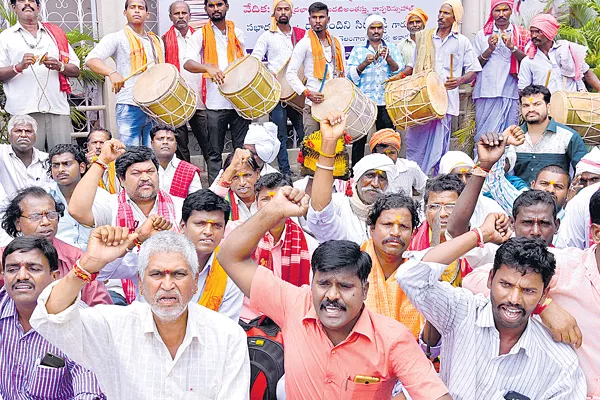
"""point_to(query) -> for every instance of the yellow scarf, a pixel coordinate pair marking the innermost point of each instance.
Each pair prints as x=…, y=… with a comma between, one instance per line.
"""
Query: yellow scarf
x=318, y=55
x=209, y=46
x=387, y=298
x=453, y=273
x=112, y=175
x=137, y=55
x=214, y=289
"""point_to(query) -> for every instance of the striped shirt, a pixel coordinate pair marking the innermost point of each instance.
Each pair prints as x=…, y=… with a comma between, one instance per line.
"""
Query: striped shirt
x=22, y=377
x=472, y=368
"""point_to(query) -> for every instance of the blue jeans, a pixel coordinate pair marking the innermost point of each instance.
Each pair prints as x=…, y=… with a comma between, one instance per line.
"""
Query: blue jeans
x=133, y=125
x=279, y=117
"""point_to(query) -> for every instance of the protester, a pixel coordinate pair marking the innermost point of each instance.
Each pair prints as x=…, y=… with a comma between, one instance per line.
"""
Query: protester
x=95, y=140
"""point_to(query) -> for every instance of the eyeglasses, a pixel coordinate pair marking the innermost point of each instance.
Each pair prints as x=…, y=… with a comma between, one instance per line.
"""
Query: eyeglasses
x=37, y=217
x=438, y=207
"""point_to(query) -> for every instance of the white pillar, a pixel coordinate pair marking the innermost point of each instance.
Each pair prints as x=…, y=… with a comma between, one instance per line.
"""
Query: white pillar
x=476, y=13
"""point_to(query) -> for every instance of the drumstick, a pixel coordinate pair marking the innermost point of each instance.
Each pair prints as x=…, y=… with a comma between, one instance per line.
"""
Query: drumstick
x=451, y=65
x=137, y=71
x=548, y=77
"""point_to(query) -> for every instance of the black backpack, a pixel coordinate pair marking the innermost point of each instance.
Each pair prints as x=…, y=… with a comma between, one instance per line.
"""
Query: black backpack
x=265, y=346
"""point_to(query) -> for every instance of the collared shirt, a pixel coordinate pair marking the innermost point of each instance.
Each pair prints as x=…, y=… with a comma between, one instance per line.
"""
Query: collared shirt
x=378, y=346
x=302, y=55
x=558, y=145
x=126, y=267
x=370, y=81
x=574, y=229
x=472, y=367
x=535, y=71
x=14, y=175
x=277, y=46
x=105, y=212
x=165, y=177
x=69, y=230
x=464, y=58
x=116, y=46
x=23, y=378
x=125, y=350
x=495, y=79
x=41, y=85
x=214, y=99
x=409, y=176
x=337, y=221
x=192, y=79
x=407, y=48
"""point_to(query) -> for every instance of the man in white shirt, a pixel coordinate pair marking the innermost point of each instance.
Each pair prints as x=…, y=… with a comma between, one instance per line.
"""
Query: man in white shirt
x=557, y=64
x=499, y=47
x=67, y=165
x=176, y=177
x=277, y=45
x=21, y=164
x=491, y=347
x=209, y=51
x=176, y=40
x=164, y=347
x=133, y=124
x=34, y=84
x=323, y=58
x=426, y=144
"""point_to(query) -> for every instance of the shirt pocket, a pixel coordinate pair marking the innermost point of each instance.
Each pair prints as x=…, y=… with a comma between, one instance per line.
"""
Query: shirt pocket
x=48, y=383
x=363, y=391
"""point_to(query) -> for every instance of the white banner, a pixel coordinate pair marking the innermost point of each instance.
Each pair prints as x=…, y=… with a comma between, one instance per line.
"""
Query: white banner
x=347, y=17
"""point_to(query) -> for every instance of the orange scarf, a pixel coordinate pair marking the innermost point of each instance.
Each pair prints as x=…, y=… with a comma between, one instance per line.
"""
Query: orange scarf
x=214, y=288
x=387, y=298
x=209, y=45
x=318, y=55
x=137, y=54
x=112, y=174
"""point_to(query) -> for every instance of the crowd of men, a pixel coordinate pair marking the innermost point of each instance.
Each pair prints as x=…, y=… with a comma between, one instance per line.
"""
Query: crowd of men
x=421, y=273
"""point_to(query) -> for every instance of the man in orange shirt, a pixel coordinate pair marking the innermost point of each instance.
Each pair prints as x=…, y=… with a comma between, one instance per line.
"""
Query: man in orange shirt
x=334, y=346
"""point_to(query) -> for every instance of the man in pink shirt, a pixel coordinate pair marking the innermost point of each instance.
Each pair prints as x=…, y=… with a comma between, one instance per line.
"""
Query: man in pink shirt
x=334, y=346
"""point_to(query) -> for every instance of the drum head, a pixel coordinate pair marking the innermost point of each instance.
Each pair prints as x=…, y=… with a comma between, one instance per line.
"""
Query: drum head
x=338, y=93
x=239, y=74
x=286, y=89
x=559, y=106
x=438, y=96
x=154, y=82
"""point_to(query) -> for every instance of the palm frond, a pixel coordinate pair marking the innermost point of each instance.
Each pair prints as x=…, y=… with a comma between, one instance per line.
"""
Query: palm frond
x=8, y=15
x=571, y=34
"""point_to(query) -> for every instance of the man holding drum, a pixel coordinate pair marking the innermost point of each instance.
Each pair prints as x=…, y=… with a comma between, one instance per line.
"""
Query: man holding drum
x=500, y=48
x=133, y=49
x=277, y=44
x=210, y=50
x=322, y=56
x=426, y=144
x=368, y=67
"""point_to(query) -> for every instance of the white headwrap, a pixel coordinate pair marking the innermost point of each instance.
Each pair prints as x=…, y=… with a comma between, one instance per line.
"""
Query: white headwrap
x=589, y=163
x=375, y=161
x=264, y=138
x=373, y=18
x=455, y=159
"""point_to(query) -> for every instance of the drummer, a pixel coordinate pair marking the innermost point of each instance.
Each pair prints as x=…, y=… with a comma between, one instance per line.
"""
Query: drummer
x=559, y=65
x=131, y=48
x=368, y=67
x=277, y=45
x=210, y=50
x=426, y=144
x=322, y=60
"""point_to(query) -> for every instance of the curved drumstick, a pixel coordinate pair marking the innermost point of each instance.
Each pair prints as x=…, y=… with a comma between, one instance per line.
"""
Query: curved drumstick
x=137, y=71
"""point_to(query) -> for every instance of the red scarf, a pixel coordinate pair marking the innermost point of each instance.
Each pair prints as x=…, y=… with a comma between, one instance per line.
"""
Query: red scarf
x=125, y=217
x=235, y=212
x=172, y=47
x=182, y=179
x=295, y=257
x=61, y=41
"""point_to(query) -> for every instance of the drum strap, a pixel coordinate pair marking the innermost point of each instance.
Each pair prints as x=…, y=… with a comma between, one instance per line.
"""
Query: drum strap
x=425, y=51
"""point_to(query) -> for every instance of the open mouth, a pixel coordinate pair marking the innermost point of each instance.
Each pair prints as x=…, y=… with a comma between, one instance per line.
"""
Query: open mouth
x=511, y=313
x=167, y=300
x=23, y=286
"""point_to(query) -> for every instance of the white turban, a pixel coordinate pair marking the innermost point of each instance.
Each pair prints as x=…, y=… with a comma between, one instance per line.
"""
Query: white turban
x=373, y=18
x=264, y=138
x=589, y=163
x=455, y=159
x=375, y=161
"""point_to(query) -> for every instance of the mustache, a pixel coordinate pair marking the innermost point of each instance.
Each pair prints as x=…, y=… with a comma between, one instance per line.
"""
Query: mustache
x=371, y=189
x=28, y=282
x=161, y=292
x=329, y=303
x=146, y=183
x=518, y=306
x=394, y=239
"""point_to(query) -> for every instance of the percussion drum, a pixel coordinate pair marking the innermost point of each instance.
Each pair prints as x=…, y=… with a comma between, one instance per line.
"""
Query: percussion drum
x=288, y=96
x=416, y=100
x=579, y=111
x=164, y=95
x=250, y=87
x=342, y=95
